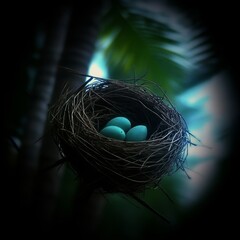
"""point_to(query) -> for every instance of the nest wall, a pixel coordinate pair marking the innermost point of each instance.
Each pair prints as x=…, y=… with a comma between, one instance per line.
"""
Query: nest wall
x=113, y=165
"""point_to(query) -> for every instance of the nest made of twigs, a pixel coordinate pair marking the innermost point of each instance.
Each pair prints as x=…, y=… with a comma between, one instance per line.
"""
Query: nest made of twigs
x=110, y=164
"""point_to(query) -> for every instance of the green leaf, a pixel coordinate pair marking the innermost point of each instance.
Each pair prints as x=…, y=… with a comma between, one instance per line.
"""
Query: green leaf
x=139, y=44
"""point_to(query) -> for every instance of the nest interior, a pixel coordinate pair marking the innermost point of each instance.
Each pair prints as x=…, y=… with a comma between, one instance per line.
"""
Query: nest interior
x=110, y=164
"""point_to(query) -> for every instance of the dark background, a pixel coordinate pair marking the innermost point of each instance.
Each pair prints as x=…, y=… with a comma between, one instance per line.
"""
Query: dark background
x=221, y=18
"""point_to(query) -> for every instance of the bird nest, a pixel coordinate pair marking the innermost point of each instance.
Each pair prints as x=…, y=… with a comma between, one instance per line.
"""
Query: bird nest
x=110, y=164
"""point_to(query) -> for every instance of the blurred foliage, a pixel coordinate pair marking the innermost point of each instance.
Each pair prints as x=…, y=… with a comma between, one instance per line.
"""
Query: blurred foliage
x=139, y=45
x=136, y=44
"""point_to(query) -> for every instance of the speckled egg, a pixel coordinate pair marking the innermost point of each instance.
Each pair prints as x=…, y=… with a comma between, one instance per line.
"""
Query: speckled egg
x=113, y=132
x=137, y=133
x=121, y=122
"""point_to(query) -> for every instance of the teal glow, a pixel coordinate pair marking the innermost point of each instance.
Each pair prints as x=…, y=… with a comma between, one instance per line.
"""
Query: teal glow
x=98, y=67
x=209, y=115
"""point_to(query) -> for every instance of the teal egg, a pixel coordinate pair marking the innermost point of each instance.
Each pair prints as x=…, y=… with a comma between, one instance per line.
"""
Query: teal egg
x=137, y=133
x=121, y=122
x=113, y=132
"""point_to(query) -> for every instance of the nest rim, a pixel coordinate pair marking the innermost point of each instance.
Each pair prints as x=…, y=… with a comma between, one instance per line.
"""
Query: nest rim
x=135, y=165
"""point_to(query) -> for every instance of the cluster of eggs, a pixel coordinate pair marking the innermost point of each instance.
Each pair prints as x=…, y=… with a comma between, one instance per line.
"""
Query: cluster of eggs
x=120, y=128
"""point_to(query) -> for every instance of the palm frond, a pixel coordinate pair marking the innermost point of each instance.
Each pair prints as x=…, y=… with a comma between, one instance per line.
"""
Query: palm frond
x=140, y=43
x=203, y=60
